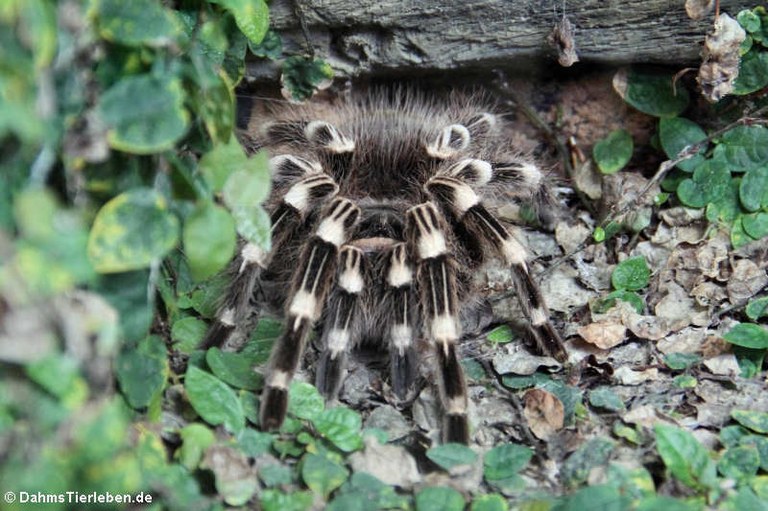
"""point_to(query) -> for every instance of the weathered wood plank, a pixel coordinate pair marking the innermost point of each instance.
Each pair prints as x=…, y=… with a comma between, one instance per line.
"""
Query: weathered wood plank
x=384, y=36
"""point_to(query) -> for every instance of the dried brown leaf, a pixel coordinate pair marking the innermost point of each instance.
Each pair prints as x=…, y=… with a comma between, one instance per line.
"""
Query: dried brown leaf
x=604, y=334
x=720, y=66
x=544, y=412
x=563, y=41
x=627, y=376
x=698, y=9
x=746, y=280
x=391, y=464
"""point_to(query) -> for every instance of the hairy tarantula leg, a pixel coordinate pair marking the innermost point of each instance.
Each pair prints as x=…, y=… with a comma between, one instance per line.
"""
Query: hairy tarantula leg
x=399, y=299
x=337, y=334
x=437, y=281
x=249, y=263
x=304, y=305
x=520, y=177
x=463, y=202
x=448, y=142
x=338, y=148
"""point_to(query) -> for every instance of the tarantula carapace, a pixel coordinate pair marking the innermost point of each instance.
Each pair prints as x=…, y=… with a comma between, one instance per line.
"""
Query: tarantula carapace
x=378, y=224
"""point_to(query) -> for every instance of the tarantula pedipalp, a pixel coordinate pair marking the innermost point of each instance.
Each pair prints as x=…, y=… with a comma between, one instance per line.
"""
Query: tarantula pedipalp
x=378, y=224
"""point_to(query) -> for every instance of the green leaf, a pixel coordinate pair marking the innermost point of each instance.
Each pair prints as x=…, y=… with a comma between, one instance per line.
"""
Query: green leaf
x=271, y=46
x=450, y=455
x=304, y=401
x=604, y=304
x=501, y=335
x=685, y=381
x=739, y=238
x=249, y=186
x=363, y=492
x=322, y=475
x=677, y=133
x=594, y=453
x=145, y=113
x=744, y=147
x=603, y=497
x=749, y=20
x=221, y=162
x=748, y=335
x=755, y=224
x=341, y=426
x=138, y=22
x=254, y=225
x=217, y=108
x=651, y=93
x=727, y=207
x=681, y=361
x=685, y=457
x=604, y=397
x=275, y=475
x=740, y=462
x=251, y=16
x=439, y=498
x=502, y=464
x=711, y=180
x=213, y=400
x=753, y=190
x=754, y=420
x=301, y=76
x=195, y=439
x=131, y=231
x=757, y=309
x=142, y=371
x=275, y=500
x=187, y=333
x=254, y=443
x=60, y=376
x=209, y=240
x=758, y=442
x=744, y=500
x=127, y=293
x=658, y=502
x=753, y=73
x=233, y=368
x=631, y=274
x=614, y=151
x=489, y=502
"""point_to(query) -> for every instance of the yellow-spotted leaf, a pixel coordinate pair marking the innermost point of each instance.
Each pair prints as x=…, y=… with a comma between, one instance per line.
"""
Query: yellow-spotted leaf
x=251, y=16
x=144, y=113
x=138, y=22
x=131, y=231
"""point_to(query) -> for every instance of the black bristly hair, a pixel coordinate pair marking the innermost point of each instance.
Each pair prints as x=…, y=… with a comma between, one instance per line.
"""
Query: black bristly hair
x=378, y=223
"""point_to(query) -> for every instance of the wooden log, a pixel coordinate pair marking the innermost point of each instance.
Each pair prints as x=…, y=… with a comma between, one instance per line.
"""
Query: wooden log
x=377, y=37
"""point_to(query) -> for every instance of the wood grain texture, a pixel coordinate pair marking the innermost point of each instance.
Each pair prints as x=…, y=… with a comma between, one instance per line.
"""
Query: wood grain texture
x=376, y=37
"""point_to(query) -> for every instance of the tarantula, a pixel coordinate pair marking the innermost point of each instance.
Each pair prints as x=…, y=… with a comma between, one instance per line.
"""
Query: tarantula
x=378, y=225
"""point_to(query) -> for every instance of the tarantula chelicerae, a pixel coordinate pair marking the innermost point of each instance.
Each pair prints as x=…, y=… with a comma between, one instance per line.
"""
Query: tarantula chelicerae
x=378, y=225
